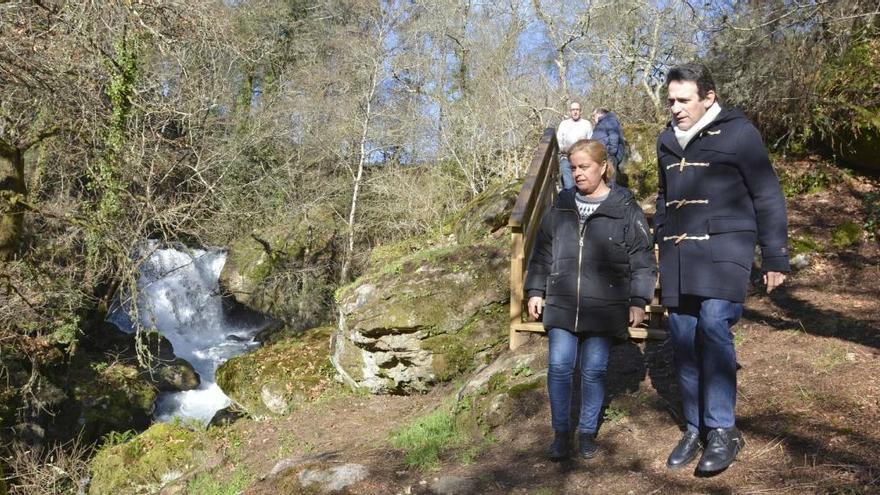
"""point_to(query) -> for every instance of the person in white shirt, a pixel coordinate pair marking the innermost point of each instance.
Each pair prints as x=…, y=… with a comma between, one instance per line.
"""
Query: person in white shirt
x=570, y=131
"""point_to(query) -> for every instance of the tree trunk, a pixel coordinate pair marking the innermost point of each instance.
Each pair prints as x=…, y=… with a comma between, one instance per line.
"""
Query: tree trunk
x=357, y=179
x=12, y=188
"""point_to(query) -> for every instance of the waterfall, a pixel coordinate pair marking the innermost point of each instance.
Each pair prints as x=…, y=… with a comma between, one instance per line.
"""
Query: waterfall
x=179, y=296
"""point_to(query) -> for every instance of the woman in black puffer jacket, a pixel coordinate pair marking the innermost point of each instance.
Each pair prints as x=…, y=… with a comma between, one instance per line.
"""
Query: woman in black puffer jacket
x=591, y=273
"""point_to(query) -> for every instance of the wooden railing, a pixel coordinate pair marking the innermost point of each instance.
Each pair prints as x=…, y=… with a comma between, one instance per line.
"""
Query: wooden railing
x=534, y=199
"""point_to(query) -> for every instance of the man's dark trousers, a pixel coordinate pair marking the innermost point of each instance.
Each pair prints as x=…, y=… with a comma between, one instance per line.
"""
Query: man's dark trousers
x=705, y=360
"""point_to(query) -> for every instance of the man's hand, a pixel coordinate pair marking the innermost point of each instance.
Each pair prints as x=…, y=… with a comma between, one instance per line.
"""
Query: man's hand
x=636, y=315
x=536, y=307
x=773, y=280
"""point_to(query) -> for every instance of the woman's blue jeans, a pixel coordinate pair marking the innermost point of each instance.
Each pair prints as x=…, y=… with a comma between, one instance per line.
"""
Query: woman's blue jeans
x=594, y=350
x=705, y=360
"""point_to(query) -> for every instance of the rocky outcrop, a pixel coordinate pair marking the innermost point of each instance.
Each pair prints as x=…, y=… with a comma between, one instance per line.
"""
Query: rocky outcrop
x=281, y=375
x=426, y=316
x=286, y=270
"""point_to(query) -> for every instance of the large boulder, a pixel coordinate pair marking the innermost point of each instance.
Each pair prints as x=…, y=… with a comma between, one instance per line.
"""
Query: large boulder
x=281, y=375
x=423, y=320
x=146, y=463
x=430, y=308
x=286, y=270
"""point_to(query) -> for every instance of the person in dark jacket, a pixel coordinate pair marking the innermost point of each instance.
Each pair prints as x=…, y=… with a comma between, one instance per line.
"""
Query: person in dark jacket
x=591, y=273
x=607, y=130
x=718, y=196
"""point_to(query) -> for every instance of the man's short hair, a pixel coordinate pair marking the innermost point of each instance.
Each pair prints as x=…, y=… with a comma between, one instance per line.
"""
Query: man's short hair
x=601, y=110
x=694, y=72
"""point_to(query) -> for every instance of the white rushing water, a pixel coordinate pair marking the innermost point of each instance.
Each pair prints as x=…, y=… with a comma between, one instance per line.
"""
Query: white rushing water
x=179, y=297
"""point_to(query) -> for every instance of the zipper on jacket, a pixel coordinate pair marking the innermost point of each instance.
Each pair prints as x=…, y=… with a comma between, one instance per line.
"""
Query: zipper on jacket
x=577, y=306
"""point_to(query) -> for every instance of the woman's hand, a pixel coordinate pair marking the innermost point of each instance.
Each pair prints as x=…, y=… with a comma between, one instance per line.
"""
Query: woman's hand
x=536, y=307
x=636, y=315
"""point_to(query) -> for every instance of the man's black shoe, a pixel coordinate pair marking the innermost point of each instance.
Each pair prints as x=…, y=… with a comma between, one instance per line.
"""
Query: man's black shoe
x=587, y=446
x=560, y=447
x=722, y=446
x=685, y=452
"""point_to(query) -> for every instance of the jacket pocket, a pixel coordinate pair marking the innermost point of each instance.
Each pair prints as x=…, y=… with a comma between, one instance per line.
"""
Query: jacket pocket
x=560, y=284
x=733, y=240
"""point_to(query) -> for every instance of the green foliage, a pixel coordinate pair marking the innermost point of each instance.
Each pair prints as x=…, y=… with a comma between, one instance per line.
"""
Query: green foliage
x=847, y=234
x=811, y=181
x=115, y=438
x=614, y=413
x=849, y=95
x=124, y=71
x=210, y=483
x=426, y=438
x=66, y=333
x=523, y=370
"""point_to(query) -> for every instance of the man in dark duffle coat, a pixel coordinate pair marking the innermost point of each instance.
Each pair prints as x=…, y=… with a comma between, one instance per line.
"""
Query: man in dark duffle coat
x=718, y=197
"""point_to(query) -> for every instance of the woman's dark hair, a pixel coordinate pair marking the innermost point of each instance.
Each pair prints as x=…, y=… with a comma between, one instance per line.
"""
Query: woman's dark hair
x=694, y=72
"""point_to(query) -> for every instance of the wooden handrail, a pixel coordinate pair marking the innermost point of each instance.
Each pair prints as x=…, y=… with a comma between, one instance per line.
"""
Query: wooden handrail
x=547, y=151
x=534, y=199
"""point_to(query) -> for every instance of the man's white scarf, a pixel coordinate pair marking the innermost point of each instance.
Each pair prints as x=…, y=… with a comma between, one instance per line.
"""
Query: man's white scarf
x=684, y=137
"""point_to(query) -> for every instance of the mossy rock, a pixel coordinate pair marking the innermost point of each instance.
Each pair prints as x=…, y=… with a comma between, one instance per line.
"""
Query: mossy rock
x=507, y=388
x=149, y=461
x=282, y=270
x=487, y=213
x=173, y=376
x=115, y=398
x=424, y=319
x=277, y=378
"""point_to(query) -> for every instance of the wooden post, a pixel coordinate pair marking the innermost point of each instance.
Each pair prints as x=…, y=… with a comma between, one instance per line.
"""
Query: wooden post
x=517, y=258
